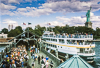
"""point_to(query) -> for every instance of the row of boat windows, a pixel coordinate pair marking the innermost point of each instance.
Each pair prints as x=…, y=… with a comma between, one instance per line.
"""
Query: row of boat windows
x=51, y=39
x=78, y=42
x=61, y=40
x=55, y=46
x=55, y=40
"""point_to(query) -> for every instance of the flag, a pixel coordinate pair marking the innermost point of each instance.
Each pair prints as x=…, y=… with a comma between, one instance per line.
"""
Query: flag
x=29, y=23
x=48, y=24
x=24, y=23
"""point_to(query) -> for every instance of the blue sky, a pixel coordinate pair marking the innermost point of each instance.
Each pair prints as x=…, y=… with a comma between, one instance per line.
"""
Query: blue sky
x=56, y=12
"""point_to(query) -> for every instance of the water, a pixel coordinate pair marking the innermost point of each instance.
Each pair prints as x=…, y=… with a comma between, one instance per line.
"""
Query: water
x=97, y=52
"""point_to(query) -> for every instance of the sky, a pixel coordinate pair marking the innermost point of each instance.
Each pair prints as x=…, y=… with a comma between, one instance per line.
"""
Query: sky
x=55, y=12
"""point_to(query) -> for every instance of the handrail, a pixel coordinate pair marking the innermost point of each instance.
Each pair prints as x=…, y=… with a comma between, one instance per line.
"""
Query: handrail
x=69, y=36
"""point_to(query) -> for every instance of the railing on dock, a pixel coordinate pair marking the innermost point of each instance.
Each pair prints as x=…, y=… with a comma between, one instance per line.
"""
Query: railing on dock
x=54, y=58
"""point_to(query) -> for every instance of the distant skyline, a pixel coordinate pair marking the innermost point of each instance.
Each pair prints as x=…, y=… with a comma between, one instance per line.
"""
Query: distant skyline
x=55, y=12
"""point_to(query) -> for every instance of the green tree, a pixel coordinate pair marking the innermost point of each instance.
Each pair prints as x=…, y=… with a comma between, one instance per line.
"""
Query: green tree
x=14, y=32
x=39, y=30
x=19, y=28
x=5, y=31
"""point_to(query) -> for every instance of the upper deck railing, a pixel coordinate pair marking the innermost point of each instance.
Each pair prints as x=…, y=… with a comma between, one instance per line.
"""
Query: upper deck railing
x=69, y=36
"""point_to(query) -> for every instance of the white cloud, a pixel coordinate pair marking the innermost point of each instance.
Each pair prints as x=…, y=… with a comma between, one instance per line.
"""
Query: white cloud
x=16, y=1
x=8, y=21
x=71, y=6
x=32, y=11
x=52, y=6
x=52, y=24
x=73, y=21
x=79, y=21
x=6, y=7
x=13, y=1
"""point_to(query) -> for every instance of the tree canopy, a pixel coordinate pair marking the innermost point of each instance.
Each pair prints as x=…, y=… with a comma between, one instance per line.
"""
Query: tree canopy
x=38, y=30
x=5, y=31
x=14, y=32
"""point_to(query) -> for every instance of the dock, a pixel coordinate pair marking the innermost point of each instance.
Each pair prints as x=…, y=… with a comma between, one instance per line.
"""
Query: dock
x=29, y=40
x=36, y=62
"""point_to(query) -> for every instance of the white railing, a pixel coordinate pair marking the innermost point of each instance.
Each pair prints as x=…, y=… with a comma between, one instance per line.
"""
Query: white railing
x=69, y=36
x=86, y=54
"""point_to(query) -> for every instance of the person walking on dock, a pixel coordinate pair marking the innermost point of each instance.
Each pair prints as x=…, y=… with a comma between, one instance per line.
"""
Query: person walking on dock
x=39, y=60
x=47, y=64
x=51, y=64
x=42, y=64
x=47, y=58
x=33, y=64
x=33, y=55
x=38, y=50
x=36, y=56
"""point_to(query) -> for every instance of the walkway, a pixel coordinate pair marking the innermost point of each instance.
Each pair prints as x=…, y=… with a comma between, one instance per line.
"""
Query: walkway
x=36, y=62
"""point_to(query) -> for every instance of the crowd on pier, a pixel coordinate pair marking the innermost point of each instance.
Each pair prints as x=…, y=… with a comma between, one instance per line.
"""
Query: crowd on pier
x=42, y=61
x=17, y=57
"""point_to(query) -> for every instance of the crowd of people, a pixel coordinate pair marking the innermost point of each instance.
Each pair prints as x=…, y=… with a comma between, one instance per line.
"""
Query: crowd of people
x=17, y=57
x=42, y=61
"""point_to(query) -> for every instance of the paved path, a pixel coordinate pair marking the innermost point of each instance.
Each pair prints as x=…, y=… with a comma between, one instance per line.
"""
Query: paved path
x=36, y=62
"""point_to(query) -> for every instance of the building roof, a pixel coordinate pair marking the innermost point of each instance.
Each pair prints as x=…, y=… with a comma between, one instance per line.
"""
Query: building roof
x=5, y=39
x=75, y=62
x=24, y=35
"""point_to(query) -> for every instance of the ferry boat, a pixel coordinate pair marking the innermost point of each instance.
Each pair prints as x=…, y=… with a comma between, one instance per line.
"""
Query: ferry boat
x=71, y=44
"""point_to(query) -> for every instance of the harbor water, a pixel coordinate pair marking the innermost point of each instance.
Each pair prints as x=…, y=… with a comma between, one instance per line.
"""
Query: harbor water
x=97, y=56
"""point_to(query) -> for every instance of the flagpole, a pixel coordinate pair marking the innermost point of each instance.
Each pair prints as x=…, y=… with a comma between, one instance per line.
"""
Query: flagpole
x=46, y=28
x=23, y=26
x=28, y=30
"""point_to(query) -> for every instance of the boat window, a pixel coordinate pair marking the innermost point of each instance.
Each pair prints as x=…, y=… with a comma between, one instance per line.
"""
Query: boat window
x=87, y=48
x=50, y=44
x=55, y=40
x=58, y=46
x=68, y=41
x=81, y=50
x=55, y=46
x=61, y=41
x=61, y=46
